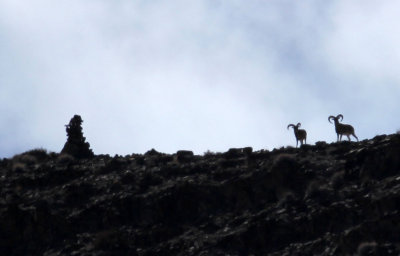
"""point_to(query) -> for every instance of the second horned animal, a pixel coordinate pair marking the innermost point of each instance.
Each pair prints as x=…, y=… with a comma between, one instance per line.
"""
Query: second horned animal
x=300, y=134
x=342, y=129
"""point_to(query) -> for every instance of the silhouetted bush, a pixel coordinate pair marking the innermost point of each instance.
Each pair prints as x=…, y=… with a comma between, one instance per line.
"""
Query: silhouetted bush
x=19, y=167
x=233, y=153
x=39, y=153
x=76, y=145
x=287, y=173
x=115, y=164
x=140, y=160
x=321, y=144
x=184, y=156
x=65, y=159
x=31, y=157
x=25, y=159
x=284, y=166
x=247, y=150
x=152, y=152
x=319, y=192
x=209, y=154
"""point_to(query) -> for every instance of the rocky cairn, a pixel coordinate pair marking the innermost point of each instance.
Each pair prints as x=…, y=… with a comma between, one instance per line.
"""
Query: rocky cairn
x=76, y=144
x=324, y=199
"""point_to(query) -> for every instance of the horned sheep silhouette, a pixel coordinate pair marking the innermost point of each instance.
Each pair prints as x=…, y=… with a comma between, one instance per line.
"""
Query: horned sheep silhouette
x=300, y=134
x=342, y=129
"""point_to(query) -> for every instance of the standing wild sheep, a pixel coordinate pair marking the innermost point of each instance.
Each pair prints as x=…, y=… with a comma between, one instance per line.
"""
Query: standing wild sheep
x=300, y=134
x=342, y=129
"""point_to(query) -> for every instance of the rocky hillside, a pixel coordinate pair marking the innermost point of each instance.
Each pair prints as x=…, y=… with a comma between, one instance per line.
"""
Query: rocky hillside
x=325, y=199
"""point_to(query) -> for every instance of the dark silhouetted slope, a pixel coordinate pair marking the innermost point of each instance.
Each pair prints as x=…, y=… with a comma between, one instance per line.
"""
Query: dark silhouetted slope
x=325, y=199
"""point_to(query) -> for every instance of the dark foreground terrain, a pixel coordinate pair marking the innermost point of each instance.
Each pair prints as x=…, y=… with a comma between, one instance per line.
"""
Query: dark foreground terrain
x=328, y=199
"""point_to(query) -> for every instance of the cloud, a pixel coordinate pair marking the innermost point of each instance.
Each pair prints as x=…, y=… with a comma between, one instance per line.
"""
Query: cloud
x=364, y=39
x=200, y=75
x=361, y=49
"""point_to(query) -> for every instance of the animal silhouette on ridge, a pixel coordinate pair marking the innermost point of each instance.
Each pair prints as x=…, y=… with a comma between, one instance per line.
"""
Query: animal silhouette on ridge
x=342, y=129
x=300, y=134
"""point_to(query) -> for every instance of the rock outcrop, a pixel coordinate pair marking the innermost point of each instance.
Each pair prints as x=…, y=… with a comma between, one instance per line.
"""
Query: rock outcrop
x=324, y=199
x=76, y=144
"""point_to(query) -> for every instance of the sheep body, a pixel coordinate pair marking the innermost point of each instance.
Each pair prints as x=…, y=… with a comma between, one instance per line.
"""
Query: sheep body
x=342, y=129
x=300, y=134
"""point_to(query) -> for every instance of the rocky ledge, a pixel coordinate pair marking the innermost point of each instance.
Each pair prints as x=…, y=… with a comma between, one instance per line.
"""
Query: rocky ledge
x=325, y=199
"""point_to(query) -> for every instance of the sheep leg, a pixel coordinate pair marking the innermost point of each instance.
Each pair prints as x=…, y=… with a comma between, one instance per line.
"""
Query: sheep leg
x=354, y=136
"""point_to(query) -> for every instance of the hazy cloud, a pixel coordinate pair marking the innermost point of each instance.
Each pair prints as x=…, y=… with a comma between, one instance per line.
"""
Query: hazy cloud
x=200, y=75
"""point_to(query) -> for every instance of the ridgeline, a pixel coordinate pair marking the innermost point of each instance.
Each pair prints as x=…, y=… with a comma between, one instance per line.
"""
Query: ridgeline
x=325, y=199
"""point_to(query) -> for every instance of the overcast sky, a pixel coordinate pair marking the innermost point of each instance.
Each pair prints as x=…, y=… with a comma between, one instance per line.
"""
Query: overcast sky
x=197, y=75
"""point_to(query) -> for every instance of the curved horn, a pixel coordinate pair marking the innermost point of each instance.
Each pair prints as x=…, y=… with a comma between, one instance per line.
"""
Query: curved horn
x=290, y=125
x=330, y=117
x=340, y=116
x=298, y=125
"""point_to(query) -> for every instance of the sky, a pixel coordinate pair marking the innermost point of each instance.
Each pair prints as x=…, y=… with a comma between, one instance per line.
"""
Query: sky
x=201, y=75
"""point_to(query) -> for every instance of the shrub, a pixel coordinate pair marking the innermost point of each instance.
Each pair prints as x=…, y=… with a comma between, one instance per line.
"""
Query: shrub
x=25, y=159
x=286, y=173
x=318, y=192
x=184, y=156
x=39, y=153
x=19, y=167
x=65, y=159
x=152, y=152
x=284, y=164
x=209, y=152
